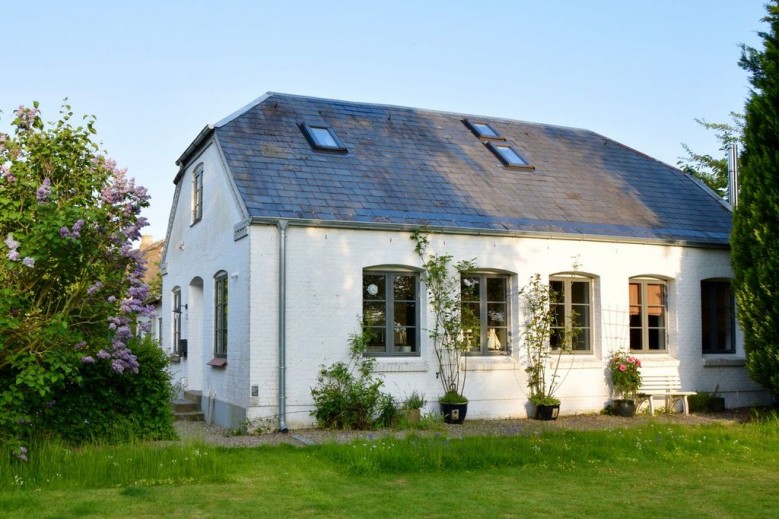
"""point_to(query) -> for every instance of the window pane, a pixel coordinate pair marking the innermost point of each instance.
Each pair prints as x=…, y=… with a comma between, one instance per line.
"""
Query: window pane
x=404, y=288
x=635, y=295
x=373, y=287
x=581, y=316
x=557, y=291
x=405, y=314
x=657, y=320
x=484, y=130
x=322, y=137
x=496, y=289
x=470, y=288
x=378, y=342
x=656, y=339
x=635, y=339
x=497, y=339
x=471, y=320
x=374, y=313
x=510, y=156
x=580, y=292
x=496, y=314
x=654, y=295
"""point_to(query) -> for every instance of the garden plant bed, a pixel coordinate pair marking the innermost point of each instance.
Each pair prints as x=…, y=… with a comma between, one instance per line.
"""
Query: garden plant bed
x=215, y=435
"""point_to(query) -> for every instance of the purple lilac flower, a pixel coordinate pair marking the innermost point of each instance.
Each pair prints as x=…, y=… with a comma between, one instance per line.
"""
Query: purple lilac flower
x=111, y=299
x=64, y=232
x=10, y=242
x=43, y=192
x=27, y=115
x=13, y=255
x=80, y=346
x=94, y=288
x=102, y=354
x=77, y=228
x=87, y=360
x=28, y=262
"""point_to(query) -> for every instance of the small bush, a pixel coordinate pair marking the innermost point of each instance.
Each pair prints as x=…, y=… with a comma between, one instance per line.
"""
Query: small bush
x=348, y=396
x=105, y=406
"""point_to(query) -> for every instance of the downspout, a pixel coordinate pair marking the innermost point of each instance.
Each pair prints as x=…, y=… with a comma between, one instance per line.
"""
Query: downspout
x=733, y=174
x=282, y=226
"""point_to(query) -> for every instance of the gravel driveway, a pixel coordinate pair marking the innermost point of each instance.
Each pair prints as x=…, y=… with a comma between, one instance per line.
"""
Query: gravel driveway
x=214, y=435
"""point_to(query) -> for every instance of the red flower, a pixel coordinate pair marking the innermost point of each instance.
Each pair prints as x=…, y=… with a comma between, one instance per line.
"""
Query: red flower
x=622, y=367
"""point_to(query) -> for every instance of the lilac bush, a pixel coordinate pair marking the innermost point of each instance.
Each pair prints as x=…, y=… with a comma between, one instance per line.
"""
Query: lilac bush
x=71, y=288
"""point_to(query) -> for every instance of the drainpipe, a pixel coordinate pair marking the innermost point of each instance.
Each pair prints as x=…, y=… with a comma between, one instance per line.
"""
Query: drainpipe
x=282, y=226
x=733, y=174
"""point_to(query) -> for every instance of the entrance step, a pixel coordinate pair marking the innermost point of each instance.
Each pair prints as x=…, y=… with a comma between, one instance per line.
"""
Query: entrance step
x=188, y=407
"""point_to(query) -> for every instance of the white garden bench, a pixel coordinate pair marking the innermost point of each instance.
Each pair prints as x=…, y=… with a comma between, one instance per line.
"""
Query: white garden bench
x=666, y=386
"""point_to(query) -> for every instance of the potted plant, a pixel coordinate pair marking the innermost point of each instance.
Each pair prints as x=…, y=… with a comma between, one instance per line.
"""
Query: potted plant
x=626, y=380
x=450, y=344
x=544, y=378
x=411, y=406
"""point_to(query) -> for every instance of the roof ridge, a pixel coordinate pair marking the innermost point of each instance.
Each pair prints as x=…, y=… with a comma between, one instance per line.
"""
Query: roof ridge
x=270, y=94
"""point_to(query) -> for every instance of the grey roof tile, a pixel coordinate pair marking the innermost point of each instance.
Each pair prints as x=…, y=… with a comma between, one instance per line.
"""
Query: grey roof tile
x=406, y=165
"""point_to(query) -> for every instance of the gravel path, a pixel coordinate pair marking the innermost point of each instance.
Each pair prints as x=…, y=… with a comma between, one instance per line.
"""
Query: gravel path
x=214, y=435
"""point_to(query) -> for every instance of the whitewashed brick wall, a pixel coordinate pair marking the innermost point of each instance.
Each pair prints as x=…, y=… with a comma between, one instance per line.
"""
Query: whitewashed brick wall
x=324, y=302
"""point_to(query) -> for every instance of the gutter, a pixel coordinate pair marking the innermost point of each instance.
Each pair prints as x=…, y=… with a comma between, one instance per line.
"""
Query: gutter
x=282, y=227
x=378, y=226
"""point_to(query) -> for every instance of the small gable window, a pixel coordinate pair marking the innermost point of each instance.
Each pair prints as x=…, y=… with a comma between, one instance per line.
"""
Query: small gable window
x=508, y=156
x=323, y=138
x=482, y=130
x=197, y=194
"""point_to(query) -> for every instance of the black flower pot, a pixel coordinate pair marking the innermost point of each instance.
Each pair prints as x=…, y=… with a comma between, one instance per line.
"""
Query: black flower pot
x=623, y=407
x=547, y=412
x=454, y=413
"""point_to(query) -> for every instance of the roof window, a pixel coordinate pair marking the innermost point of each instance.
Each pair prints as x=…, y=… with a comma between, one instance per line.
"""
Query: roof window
x=482, y=130
x=508, y=156
x=321, y=137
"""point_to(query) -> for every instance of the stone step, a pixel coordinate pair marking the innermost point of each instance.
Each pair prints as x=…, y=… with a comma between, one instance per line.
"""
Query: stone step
x=189, y=416
x=181, y=405
x=188, y=407
x=194, y=396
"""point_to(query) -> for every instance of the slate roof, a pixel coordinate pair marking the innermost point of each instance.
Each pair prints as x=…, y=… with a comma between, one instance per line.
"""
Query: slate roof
x=408, y=166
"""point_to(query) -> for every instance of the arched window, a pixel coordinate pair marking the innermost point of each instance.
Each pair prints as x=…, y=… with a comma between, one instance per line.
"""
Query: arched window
x=485, y=312
x=197, y=194
x=390, y=309
x=648, y=311
x=176, y=321
x=571, y=298
x=220, y=314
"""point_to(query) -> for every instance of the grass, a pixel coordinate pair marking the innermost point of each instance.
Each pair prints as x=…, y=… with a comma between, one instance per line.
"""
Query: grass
x=654, y=470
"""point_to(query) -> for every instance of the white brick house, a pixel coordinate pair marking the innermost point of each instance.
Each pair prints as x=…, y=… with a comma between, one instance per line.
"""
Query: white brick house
x=292, y=218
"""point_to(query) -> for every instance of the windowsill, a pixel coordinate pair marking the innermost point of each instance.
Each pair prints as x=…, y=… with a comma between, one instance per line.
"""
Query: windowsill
x=400, y=365
x=217, y=362
x=174, y=358
x=491, y=363
x=724, y=363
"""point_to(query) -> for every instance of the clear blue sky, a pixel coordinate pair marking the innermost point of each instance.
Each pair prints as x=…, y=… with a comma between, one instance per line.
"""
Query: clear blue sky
x=155, y=72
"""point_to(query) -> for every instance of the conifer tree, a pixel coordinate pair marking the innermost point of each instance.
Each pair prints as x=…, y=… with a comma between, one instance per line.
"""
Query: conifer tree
x=755, y=237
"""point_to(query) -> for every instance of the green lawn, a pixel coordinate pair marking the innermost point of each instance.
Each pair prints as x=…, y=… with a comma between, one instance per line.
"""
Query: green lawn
x=651, y=471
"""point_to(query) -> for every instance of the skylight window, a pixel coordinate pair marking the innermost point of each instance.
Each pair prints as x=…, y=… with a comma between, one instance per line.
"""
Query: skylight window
x=322, y=138
x=508, y=156
x=482, y=130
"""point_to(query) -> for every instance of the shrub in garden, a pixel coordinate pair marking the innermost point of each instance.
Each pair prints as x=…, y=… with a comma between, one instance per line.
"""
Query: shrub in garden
x=348, y=396
x=101, y=404
x=71, y=285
